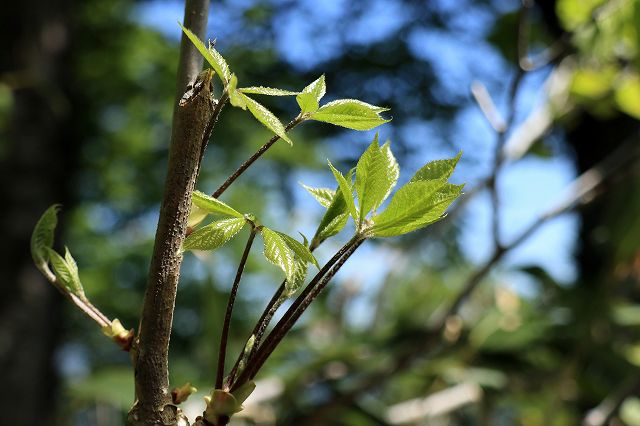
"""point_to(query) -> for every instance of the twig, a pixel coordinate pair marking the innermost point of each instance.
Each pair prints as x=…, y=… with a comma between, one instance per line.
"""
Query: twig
x=244, y=166
x=311, y=291
x=227, y=316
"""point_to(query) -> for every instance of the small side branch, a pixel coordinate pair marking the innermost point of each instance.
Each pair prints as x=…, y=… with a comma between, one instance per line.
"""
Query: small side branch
x=227, y=317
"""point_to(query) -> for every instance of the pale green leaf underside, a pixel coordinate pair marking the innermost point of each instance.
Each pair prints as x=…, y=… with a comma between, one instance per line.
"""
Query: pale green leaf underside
x=278, y=252
x=350, y=113
x=415, y=205
x=66, y=271
x=42, y=237
x=213, y=205
x=211, y=55
x=347, y=192
x=266, y=117
x=376, y=174
x=213, y=235
x=196, y=215
x=300, y=250
x=269, y=91
x=299, y=274
x=439, y=169
x=322, y=195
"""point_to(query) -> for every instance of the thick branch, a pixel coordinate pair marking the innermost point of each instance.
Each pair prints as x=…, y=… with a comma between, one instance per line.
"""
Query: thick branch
x=190, y=123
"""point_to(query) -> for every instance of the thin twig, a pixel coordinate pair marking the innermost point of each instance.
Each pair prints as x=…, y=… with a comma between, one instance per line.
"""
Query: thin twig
x=227, y=317
x=244, y=166
x=313, y=289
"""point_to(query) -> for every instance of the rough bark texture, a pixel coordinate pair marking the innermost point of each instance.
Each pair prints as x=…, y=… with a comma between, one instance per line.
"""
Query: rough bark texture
x=153, y=405
x=37, y=149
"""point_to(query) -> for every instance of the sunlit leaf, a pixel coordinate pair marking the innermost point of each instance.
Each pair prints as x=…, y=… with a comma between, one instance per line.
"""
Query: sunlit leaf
x=213, y=235
x=291, y=286
x=376, y=174
x=347, y=192
x=213, y=205
x=322, y=195
x=439, y=169
x=350, y=113
x=278, y=252
x=269, y=91
x=42, y=237
x=414, y=206
x=298, y=248
x=212, y=56
x=266, y=117
x=310, y=96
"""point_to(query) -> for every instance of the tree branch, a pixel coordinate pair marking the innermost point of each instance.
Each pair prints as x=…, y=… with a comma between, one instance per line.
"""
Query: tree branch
x=190, y=122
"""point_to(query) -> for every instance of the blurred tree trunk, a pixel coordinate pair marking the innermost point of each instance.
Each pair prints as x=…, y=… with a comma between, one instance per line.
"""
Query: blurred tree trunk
x=36, y=161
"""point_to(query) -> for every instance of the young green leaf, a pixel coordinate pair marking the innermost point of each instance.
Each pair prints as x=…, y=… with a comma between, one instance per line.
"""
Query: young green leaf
x=66, y=271
x=266, y=117
x=213, y=205
x=347, y=192
x=376, y=174
x=350, y=113
x=334, y=219
x=234, y=96
x=278, y=252
x=439, y=169
x=301, y=251
x=213, y=235
x=310, y=96
x=299, y=275
x=212, y=56
x=196, y=215
x=269, y=91
x=42, y=238
x=322, y=195
x=414, y=206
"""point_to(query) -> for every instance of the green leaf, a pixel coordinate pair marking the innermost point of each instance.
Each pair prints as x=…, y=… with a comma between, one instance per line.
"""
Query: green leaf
x=347, y=192
x=322, y=195
x=376, y=174
x=334, y=219
x=196, y=215
x=66, y=274
x=212, y=56
x=299, y=249
x=350, y=113
x=414, y=206
x=75, y=274
x=299, y=275
x=213, y=205
x=278, y=252
x=439, y=169
x=309, y=98
x=42, y=238
x=235, y=97
x=266, y=117
x=269, y=91
x=213, y=235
